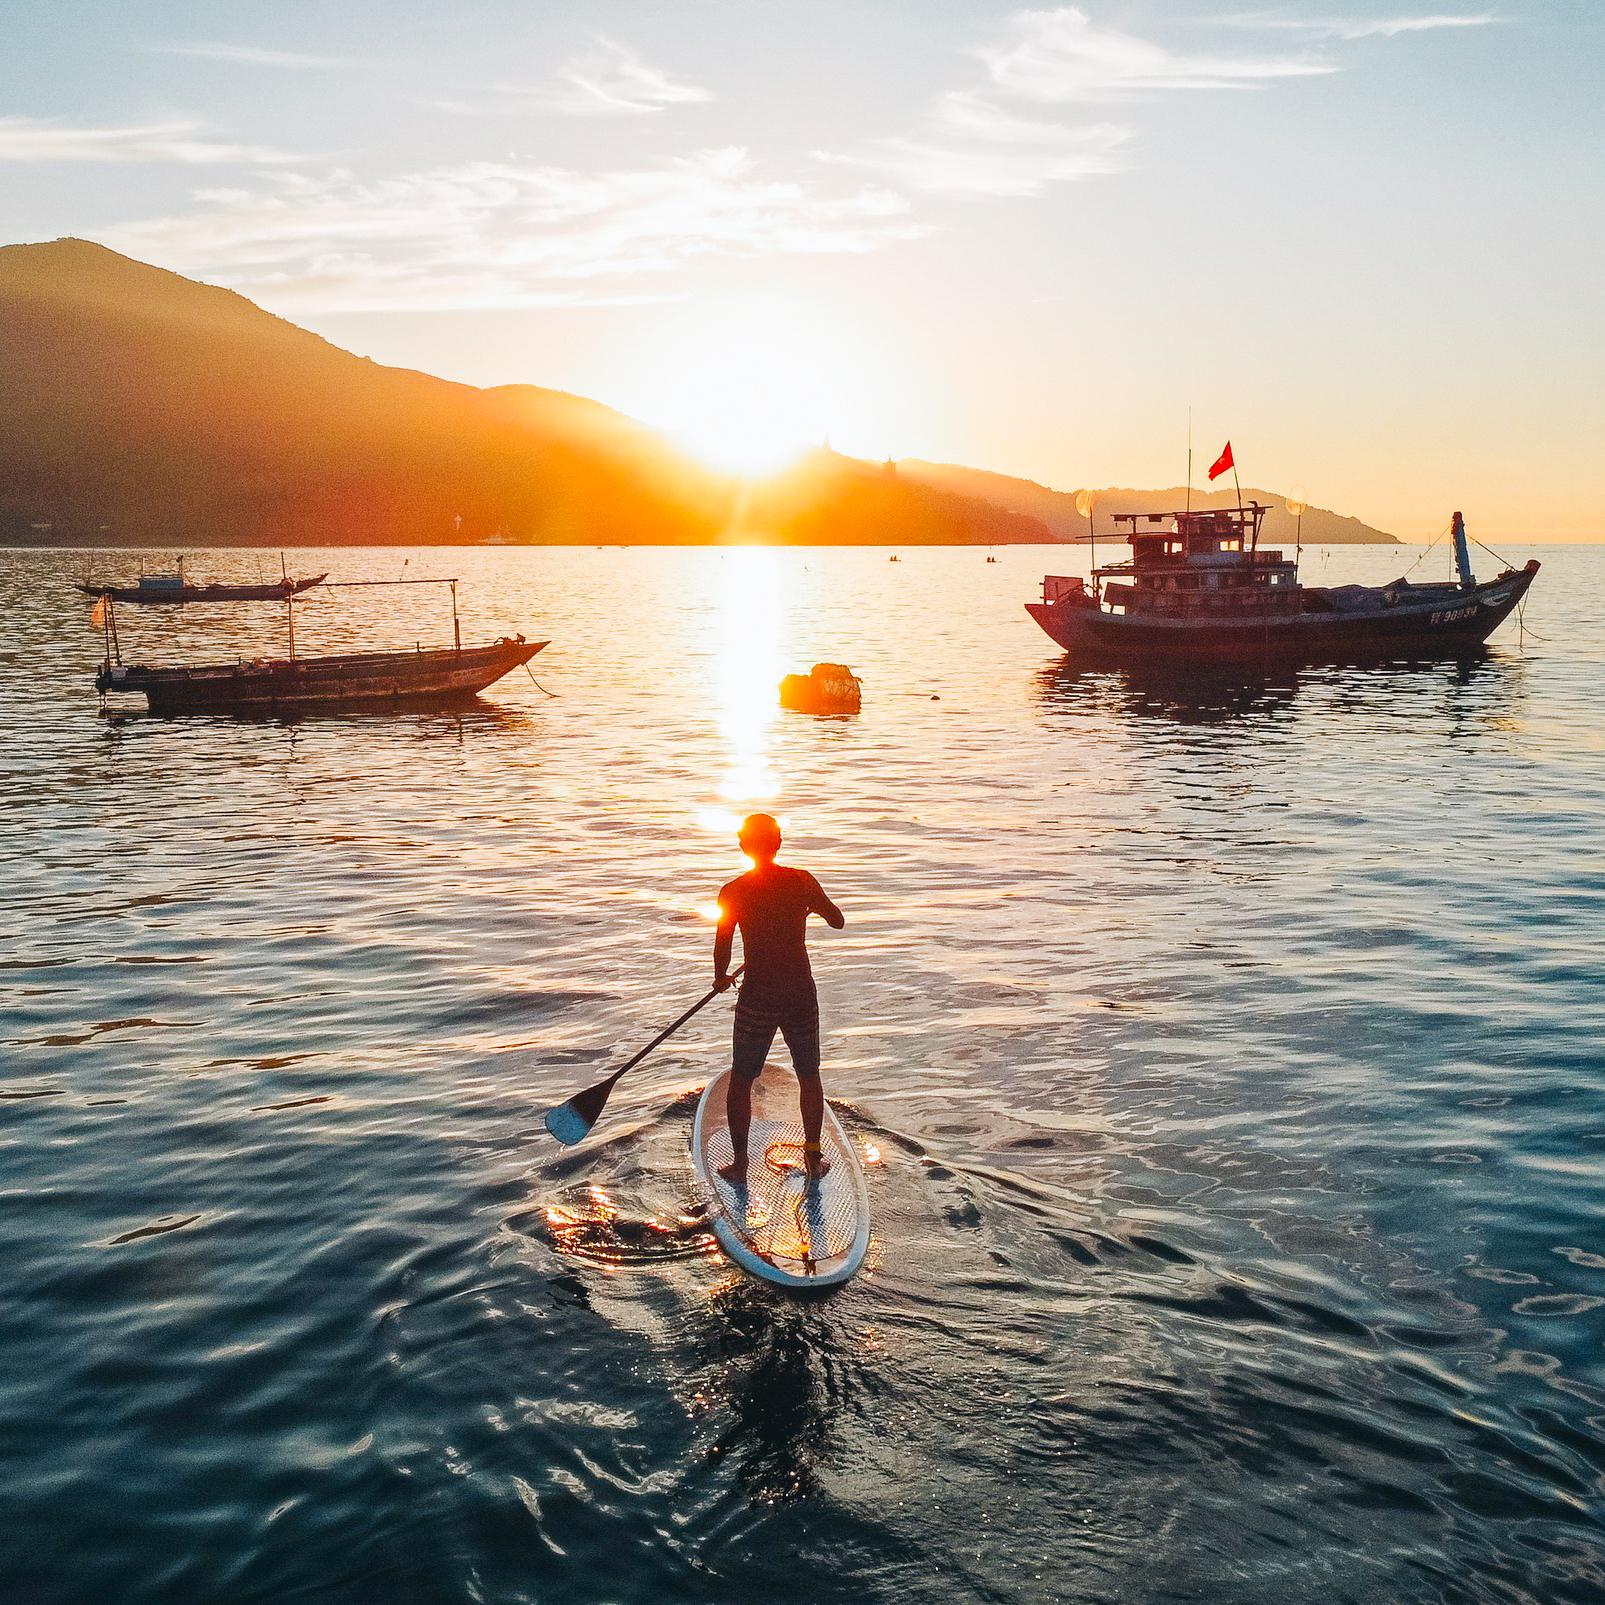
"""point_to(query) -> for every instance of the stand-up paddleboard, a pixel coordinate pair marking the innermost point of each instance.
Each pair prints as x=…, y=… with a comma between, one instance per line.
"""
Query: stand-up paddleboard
x=780, y=1225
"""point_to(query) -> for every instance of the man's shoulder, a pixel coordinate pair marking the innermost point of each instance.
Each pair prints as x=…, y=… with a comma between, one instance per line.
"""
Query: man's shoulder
x=735, y=888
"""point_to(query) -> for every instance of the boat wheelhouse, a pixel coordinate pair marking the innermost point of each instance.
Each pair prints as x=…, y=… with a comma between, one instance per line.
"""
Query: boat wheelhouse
x=1198, y=589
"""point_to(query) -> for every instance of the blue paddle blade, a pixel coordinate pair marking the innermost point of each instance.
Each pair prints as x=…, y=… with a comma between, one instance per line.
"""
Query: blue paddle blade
x=567, y=1124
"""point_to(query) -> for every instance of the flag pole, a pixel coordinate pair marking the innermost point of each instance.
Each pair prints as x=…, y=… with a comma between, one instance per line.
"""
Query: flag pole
x=1253, y=545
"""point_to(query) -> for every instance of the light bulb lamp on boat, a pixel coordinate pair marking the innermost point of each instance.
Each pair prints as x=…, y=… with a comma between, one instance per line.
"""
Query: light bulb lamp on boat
x=1198, y=590
x=349, y=682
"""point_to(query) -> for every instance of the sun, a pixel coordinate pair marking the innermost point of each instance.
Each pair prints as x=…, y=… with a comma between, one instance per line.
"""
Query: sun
x=747, y=386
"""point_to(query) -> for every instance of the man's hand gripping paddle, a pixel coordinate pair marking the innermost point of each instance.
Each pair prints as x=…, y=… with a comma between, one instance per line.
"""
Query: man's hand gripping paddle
x=571, y=1122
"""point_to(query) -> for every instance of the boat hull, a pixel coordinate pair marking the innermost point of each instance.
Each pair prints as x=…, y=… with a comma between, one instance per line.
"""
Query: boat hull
x=352, y=683
x=150, y=595
x=1446, y=624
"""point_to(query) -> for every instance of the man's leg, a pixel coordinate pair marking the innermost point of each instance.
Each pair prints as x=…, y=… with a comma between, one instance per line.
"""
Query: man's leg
x=738, y=1114
x=811, y=1096
x=750, y=1038
x=802, y=1037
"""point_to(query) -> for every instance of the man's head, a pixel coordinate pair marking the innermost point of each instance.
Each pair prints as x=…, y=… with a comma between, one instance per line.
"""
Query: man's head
x=759, y=838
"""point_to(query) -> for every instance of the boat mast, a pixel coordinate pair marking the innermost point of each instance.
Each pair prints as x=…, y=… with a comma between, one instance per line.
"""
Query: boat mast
x=1462, y=555
x=114, y=650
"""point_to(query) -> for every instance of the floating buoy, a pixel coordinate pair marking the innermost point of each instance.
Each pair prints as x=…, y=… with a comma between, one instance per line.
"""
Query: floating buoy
x=826, y=688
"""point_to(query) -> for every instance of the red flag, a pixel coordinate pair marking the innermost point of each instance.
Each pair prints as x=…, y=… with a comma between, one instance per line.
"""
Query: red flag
x=1223, y=462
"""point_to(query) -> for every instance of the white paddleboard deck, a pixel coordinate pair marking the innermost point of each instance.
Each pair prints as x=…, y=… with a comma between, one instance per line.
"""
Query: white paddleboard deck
x=782, y=1226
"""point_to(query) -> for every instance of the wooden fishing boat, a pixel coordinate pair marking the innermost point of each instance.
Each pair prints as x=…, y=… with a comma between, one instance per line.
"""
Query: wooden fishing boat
x=173, y=588
x=351, y=682
x=1199, y=590
x=348, y=682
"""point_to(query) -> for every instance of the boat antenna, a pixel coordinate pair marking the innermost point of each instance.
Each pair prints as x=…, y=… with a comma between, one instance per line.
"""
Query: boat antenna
x=1189, y=459
x=456, y=625
x=289, y=619
x=1086, y=501
x=1296, y=503
x=1253, y=545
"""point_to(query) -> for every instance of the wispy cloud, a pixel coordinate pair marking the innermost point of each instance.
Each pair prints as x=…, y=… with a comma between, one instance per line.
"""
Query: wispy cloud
x=247, y=55
x=34, y=139
x=611, y=80
x=506, y=234
x=993, y=139
x=1064, y=57
x=1351, y=28
x=972, y=146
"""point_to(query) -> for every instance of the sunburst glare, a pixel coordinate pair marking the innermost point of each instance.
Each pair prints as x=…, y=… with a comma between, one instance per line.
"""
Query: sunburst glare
x=749, y=386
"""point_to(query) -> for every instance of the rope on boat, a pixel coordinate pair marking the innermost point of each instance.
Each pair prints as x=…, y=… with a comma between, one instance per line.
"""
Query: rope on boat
x=1427, y=552
x=1489, y=550
x=536, y=683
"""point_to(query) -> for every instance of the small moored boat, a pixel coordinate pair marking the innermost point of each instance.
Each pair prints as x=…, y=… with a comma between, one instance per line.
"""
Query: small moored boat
x=1199, y=590
x=348, y=682
x=351, y=682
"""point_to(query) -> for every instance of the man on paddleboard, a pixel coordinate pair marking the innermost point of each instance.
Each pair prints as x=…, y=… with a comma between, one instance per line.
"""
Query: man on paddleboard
x=770, y=906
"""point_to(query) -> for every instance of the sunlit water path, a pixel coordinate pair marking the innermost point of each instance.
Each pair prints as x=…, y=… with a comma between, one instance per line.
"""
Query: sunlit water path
x=1229, y=1056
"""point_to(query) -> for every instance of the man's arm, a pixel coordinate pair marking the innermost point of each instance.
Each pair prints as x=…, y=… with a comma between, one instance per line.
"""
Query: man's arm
x=723, y=933
x=819, y=904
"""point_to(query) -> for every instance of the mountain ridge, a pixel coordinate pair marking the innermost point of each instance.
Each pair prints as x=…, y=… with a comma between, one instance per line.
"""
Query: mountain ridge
x=1057, y=508
x=141, y=407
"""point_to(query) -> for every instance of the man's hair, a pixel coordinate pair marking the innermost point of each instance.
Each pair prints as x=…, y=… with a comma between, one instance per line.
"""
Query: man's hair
x=762, y=830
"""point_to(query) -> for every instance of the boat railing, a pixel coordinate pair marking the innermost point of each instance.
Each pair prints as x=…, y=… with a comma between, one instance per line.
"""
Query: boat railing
x=1062, y=587
x=1205, y=604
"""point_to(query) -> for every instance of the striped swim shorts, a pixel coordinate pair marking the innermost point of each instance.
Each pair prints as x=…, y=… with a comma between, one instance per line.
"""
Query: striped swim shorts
x=755, y=1027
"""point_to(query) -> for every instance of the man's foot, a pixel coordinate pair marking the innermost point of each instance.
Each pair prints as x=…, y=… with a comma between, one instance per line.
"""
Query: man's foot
x=815, y=1164
x=735, y=1172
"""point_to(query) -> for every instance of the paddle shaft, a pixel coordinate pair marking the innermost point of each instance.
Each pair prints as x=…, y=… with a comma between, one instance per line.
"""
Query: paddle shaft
x=669, y=1030
x=572, y=1121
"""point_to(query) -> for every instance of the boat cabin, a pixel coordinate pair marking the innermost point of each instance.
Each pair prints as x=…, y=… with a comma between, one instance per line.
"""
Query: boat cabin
x=1199, y=564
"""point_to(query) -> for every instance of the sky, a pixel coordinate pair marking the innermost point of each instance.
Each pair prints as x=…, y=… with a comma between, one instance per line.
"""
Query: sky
x=1361, y=242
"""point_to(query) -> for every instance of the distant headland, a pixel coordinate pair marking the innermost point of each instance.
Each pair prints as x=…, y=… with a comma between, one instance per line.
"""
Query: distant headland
x=138, y=407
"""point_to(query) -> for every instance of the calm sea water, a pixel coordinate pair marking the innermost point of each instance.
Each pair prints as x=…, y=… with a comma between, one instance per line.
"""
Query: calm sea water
x=1231, y=1053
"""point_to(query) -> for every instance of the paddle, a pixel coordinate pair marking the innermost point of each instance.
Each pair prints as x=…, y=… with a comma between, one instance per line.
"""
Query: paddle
x=571, y=1122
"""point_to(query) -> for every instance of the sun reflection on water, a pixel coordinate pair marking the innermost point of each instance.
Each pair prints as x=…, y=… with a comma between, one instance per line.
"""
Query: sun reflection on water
x=753, y=621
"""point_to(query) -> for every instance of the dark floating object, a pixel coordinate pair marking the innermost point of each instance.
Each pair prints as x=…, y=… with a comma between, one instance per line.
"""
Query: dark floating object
x=1199, y=590
x=826, y=688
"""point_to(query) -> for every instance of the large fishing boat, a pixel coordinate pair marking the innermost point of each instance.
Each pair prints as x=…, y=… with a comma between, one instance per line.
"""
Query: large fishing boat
x=349, y=682
x=1199, y=590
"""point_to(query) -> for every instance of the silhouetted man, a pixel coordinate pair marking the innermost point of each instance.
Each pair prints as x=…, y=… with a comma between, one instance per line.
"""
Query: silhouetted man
x=770, y=906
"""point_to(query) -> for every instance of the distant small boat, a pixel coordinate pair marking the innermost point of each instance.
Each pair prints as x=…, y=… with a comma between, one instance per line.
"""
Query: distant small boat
x=175, y=588
x=350, y=682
